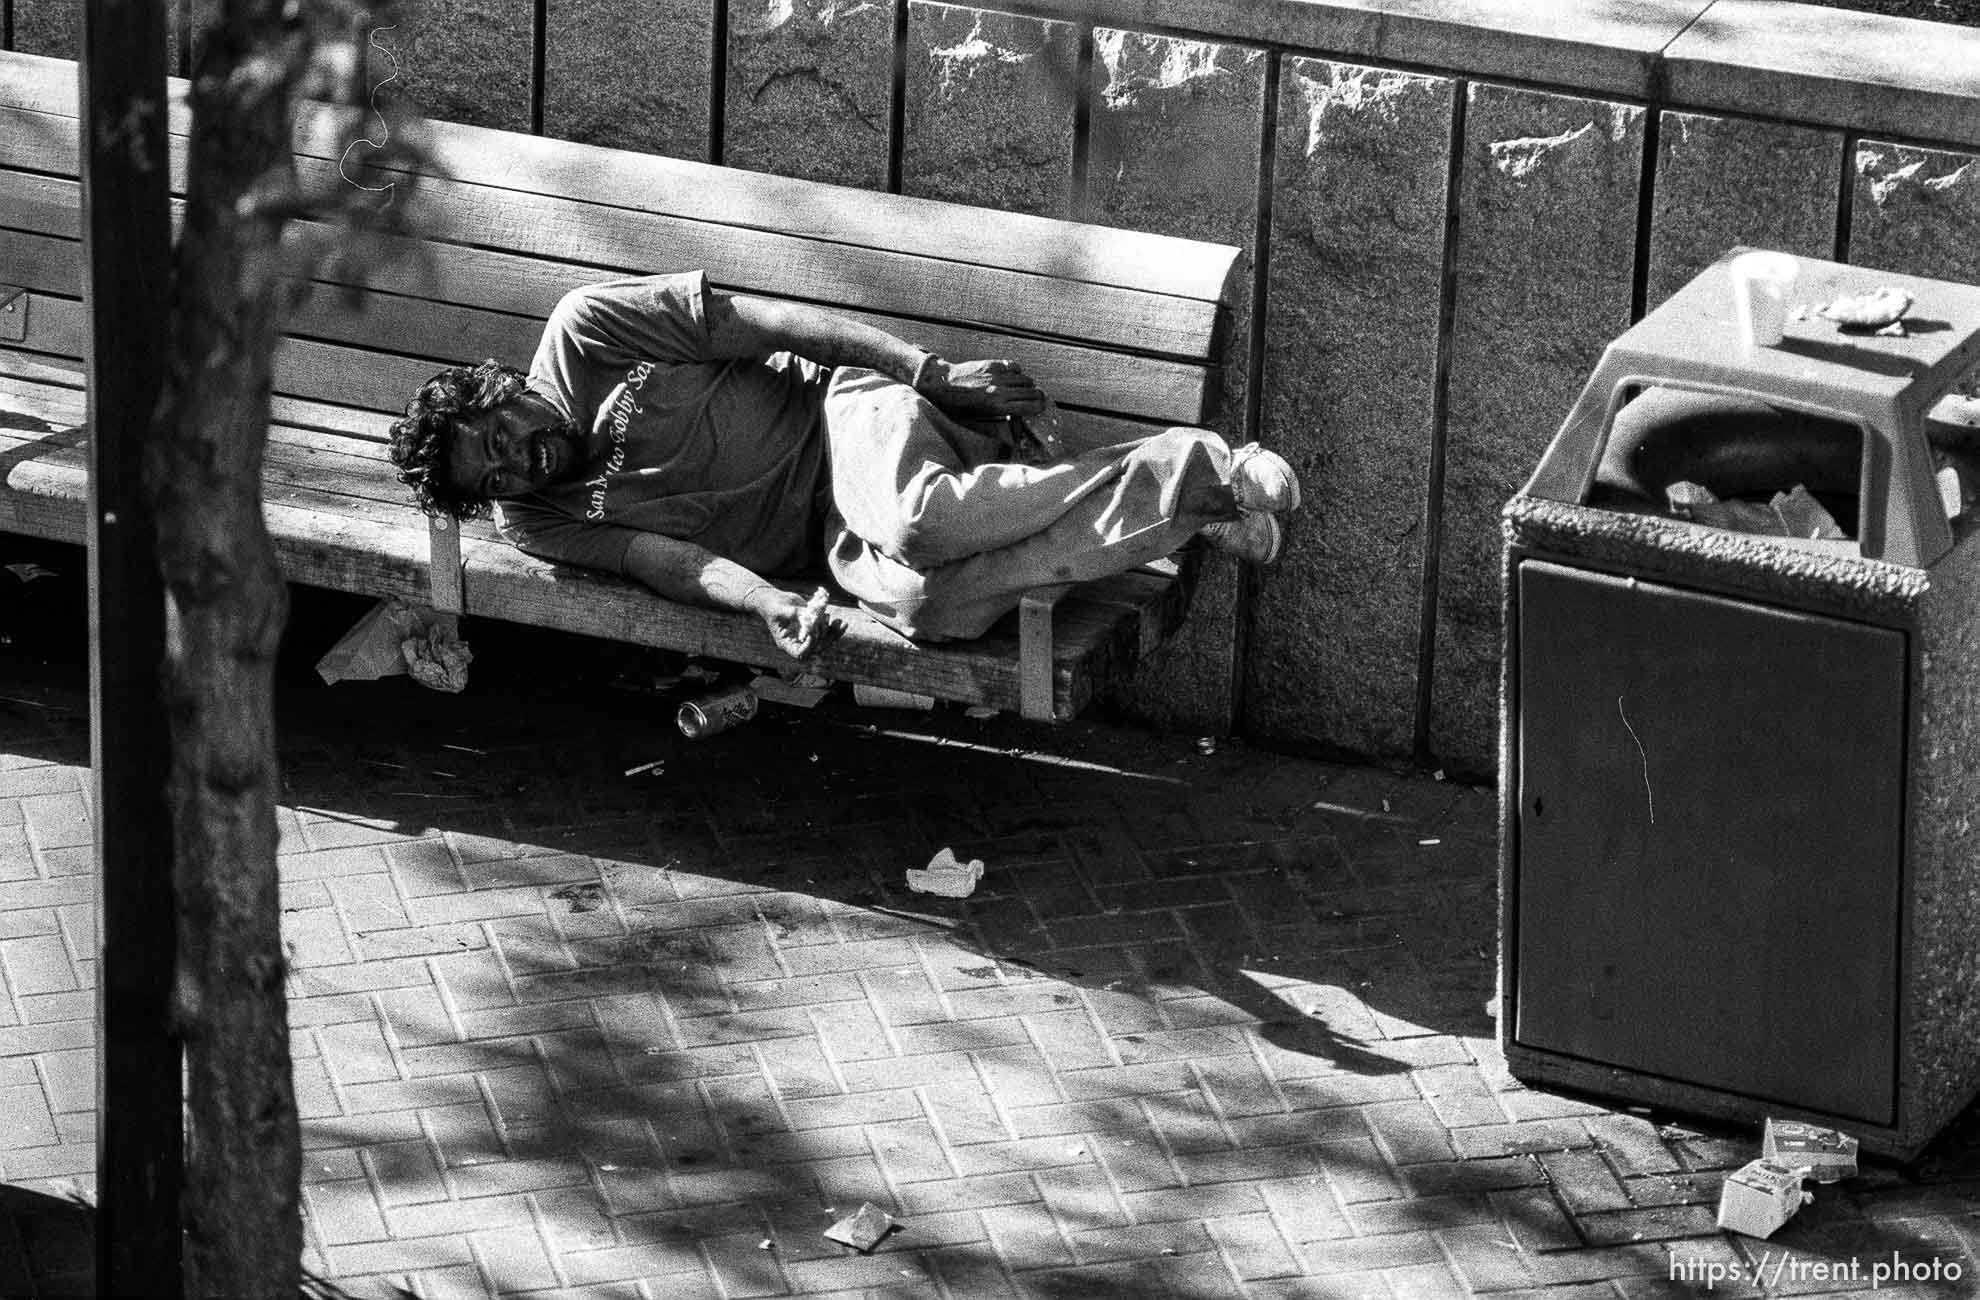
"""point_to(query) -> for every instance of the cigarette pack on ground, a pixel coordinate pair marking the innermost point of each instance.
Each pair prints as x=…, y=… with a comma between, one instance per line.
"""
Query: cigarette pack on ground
x=1828, y=1155
x=1760, y=1196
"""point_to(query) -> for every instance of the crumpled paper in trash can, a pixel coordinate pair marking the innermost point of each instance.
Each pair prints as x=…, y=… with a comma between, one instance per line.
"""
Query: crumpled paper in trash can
x=1793, y=513
x=397, y=637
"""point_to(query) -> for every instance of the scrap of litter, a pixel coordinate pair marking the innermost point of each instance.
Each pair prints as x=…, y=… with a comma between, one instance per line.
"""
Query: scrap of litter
x=1026, y=755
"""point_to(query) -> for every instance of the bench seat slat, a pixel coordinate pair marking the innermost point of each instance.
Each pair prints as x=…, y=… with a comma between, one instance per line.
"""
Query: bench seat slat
x=299, y=456
x=354, y=427
x=45, y=497
x=327, y=535
x=327, y=470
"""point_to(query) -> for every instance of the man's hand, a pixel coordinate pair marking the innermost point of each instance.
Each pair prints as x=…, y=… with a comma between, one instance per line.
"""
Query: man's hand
x=800, y=627
x=741, y=326
x=969, y=389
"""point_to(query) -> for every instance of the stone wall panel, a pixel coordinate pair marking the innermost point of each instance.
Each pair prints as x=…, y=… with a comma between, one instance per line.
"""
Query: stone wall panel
x=989, y=109
x=1358, y=229
x=1176, y=129
x=1175, y=132
x=54, y=28
x=809, y=88
x=1546, y=246
x=631, y=74
x=466, y=60
x=1917, y=211
x=1725, y=181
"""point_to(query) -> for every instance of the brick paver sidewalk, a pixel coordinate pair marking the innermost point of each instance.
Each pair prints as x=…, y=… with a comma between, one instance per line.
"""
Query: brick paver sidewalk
x=1213, y=1025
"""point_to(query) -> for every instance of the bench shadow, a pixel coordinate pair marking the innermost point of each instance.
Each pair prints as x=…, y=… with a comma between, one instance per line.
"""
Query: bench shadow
x=47, y=1244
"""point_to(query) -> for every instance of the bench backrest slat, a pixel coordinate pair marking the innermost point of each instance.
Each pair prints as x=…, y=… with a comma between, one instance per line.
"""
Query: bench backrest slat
x=333, y=354
x=726, y=196
x=530, y=199
x=606, y=239
x=436, y=332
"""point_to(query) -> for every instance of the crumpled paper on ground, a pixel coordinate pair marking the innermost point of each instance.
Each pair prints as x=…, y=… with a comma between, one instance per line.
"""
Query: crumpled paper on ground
x=439, y=659
x=863, y=1229
x=397, y=637
x=945, y=876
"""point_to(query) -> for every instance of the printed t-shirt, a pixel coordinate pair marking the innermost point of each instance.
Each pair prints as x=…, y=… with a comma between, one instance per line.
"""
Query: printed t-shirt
x=727, y=454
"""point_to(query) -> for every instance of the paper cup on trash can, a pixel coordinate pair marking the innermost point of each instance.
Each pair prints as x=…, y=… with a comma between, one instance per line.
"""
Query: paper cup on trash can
x=1761, y=283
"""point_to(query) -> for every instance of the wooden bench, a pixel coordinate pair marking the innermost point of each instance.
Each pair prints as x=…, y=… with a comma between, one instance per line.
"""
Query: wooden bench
x=1123, y=328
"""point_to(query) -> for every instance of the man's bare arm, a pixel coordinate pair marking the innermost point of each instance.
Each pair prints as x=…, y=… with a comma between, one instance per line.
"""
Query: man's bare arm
x=743, y=326
x=695, y=575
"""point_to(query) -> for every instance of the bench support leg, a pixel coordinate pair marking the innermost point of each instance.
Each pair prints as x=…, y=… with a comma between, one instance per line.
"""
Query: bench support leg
x=443, y=566
x=1035, y=652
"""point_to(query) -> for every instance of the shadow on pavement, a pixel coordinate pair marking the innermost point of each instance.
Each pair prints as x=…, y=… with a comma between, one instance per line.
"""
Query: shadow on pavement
x=675, y=1020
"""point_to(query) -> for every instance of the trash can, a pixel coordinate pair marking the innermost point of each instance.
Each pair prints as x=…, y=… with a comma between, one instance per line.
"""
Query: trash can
x=1740, y=778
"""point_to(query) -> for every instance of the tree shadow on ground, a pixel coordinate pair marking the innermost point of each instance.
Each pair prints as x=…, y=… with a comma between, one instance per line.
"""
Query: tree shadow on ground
x=1153, y=915
x=47, y=1244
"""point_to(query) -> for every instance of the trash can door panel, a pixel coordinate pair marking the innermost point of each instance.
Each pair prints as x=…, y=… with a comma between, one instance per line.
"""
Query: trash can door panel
x=1709, y=839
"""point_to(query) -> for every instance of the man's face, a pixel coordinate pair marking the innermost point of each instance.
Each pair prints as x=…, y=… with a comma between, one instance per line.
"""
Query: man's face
x=515, y=448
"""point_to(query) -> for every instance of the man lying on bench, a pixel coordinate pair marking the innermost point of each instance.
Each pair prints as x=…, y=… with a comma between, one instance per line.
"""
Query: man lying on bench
x=703, y=442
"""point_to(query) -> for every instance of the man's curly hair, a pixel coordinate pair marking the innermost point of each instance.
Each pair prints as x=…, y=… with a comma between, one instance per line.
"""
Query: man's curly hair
x=422, y=442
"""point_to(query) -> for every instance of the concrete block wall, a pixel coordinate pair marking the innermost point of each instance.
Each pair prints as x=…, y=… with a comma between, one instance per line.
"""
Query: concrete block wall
x=1446, y=210
x=632, y=74
x=989, y=112
x=809, y=89
x=1172, y=147
x=1350, y=395
x=1546, y=230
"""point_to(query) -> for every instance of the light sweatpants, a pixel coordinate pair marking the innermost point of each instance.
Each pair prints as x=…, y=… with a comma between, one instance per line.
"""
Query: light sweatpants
x=938, y=534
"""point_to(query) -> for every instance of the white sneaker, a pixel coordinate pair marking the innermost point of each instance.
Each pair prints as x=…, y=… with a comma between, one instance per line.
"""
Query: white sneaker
x=1262, y=480
x=1252, y=537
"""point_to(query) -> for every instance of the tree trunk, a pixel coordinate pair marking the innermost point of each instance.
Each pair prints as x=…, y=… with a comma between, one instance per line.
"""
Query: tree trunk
x=225, y=604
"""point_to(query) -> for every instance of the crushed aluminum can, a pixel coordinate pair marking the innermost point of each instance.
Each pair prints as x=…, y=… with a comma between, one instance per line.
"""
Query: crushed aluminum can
x=1828, y=1154
x=718, y=712
x=1760, y=1196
